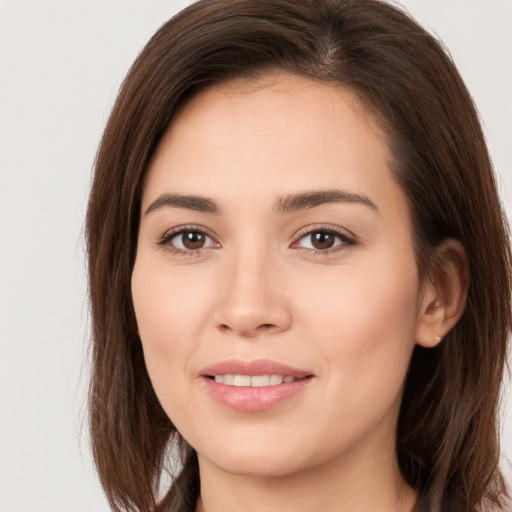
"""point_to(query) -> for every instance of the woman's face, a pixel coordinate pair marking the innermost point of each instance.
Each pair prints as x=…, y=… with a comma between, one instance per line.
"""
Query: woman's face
x=275, y=285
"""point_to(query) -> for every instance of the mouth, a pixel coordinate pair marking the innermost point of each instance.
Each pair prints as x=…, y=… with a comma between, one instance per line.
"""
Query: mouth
x=254, y=373
x=255, y=381
x=252, y=386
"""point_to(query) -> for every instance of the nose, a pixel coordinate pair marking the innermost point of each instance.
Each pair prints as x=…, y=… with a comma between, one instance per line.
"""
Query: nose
x=253, y=297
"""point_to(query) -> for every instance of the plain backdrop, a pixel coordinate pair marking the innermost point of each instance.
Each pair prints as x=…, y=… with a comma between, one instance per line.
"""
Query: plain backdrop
x=61, y=63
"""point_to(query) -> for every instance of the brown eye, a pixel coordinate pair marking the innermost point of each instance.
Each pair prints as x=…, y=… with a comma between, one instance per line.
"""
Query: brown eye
x=322, y=240
x=189, y=240
x=193, y=239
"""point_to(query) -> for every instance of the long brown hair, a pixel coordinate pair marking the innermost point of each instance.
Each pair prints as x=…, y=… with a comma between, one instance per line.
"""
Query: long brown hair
x=447, y=439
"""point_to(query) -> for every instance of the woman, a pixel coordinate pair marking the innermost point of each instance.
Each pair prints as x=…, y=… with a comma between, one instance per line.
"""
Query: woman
x=299, y=269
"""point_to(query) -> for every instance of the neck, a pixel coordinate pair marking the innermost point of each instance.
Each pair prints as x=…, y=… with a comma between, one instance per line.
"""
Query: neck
x=351, y=482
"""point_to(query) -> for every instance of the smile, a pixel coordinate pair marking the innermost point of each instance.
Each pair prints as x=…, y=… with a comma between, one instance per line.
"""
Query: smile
x=255, y=381
x=254, y=386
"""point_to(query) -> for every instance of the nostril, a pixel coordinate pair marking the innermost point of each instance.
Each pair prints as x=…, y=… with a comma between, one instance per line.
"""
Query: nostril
x=246, y=330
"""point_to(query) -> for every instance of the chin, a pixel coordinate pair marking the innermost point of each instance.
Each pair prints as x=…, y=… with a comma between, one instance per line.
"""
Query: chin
x=264, y=456
x=257, y=464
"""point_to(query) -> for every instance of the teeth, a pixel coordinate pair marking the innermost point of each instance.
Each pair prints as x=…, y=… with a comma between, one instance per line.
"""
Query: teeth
x=242, y=380
x=229, y=379
x=255, y=381
x=258, y=381
x=275, y=379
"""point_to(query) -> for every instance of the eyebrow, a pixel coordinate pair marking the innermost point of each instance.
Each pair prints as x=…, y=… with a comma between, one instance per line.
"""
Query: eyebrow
x=190, y=202
x=288, y=204
x=306, y=200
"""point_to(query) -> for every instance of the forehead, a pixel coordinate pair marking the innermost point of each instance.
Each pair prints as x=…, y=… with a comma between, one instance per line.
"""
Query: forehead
x=271, y=104
x=278, y=132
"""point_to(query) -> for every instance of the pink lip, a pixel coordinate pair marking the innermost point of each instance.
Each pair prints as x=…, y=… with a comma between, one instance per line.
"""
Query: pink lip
x=249, y=399
x=254, y=367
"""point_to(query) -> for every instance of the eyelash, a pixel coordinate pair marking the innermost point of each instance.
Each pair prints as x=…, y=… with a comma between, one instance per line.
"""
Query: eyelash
x=166, y=239
x=345, y=240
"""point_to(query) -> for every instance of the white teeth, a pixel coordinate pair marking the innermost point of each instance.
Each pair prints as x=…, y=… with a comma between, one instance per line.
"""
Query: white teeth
x=229, y=380
x=255, y=381
x=242, y=380
x=276, y=379
x=258, y=381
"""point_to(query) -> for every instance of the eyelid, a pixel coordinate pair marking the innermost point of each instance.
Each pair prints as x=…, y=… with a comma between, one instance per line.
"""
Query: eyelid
x=165, y=239
x=347, y=238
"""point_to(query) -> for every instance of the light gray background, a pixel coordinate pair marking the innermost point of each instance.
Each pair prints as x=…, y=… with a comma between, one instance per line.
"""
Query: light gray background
x=61, y=63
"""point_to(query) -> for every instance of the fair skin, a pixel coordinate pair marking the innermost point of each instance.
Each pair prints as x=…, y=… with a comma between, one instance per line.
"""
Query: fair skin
x=260, y=265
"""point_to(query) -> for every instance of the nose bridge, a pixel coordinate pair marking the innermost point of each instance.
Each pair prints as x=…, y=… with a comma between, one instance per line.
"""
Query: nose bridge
x=252, y=300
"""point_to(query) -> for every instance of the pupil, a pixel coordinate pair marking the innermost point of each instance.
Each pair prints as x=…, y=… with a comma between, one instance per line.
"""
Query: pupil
x=193, y=240
x=322, y=240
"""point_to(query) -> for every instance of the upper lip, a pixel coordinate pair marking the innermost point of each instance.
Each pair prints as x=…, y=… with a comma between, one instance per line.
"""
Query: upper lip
x=253, y=367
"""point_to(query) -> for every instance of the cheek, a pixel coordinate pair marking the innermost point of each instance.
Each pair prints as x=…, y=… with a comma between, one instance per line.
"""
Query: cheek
x=171, y=309
x=364, y=326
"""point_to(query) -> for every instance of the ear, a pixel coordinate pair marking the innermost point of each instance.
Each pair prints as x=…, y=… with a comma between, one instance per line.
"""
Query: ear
x=444, y=294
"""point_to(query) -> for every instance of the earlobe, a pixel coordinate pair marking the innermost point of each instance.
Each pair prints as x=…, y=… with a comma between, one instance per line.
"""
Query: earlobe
x=444, y=296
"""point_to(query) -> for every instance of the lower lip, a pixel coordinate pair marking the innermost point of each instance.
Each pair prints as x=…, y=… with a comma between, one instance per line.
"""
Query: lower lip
x=254, y=399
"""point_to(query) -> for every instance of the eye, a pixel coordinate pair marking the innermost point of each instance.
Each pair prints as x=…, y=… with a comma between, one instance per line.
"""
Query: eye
x=187, y=240
x=323, y=240
x=191, y=240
